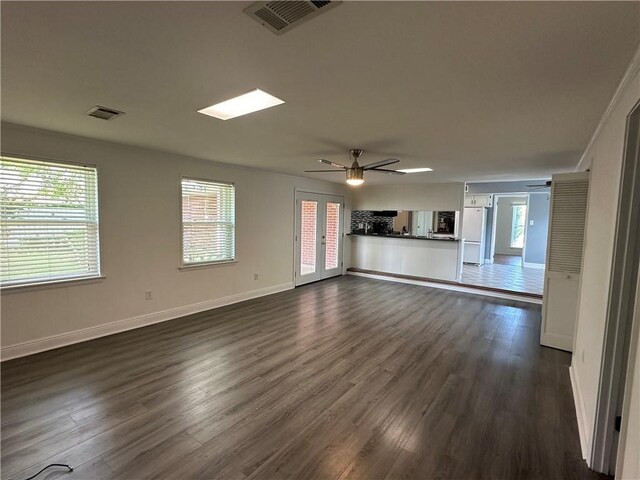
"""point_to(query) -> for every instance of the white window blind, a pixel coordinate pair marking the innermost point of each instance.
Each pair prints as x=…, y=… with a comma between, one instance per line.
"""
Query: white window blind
x=48, y=222
x=208, y=222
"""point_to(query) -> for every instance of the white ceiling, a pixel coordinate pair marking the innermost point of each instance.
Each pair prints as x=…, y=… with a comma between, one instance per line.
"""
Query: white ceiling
x=477, y=91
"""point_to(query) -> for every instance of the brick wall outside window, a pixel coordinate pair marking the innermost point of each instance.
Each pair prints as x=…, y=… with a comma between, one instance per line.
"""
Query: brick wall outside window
x=332, y=240
x=308, y=237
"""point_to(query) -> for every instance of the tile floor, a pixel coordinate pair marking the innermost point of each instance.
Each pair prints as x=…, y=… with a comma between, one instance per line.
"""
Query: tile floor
x=508, y=277
x=507, y=259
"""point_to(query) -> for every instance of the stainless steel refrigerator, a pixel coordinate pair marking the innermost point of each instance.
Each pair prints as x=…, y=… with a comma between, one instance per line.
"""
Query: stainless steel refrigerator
x=473, y=232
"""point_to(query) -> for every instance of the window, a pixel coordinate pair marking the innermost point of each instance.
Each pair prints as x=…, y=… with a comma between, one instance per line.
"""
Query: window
x=518, y=216
x=208, y=222
x=49, y=222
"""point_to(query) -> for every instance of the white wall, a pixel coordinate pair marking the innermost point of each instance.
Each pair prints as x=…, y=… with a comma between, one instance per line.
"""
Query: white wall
x=139, y=194
x=433, y=259
x=604, y=157
x=409, y=258
x=433, y=196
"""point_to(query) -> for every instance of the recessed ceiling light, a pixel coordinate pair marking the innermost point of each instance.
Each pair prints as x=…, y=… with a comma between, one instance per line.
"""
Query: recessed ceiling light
x=242, y=105
x=415, y=170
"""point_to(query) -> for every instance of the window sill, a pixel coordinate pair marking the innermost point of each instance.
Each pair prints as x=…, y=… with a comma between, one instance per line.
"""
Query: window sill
x=69, y=282
x=196, y=266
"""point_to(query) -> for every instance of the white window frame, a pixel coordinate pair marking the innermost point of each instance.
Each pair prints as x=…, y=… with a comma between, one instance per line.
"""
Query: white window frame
x=524, y=224
x=62, y=280
x=187, y=266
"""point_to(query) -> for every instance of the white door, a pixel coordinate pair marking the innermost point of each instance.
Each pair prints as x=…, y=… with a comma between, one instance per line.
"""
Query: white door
x=318, y=237
x=569, y=199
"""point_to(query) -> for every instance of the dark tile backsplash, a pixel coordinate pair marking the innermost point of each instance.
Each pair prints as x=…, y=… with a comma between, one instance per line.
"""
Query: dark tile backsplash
x=363, y=216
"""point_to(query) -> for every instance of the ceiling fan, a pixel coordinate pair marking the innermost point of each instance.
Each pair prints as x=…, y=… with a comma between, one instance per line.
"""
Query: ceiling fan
x=355, y=173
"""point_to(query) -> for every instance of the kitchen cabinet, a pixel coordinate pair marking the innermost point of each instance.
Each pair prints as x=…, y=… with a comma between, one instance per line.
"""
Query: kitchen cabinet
x=478, y=201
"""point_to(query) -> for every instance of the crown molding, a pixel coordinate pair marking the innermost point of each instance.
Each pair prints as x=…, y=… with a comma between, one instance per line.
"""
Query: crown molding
x=632, y=70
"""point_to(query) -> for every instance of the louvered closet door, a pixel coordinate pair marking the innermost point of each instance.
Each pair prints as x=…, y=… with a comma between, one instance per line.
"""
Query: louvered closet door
x=569, y=198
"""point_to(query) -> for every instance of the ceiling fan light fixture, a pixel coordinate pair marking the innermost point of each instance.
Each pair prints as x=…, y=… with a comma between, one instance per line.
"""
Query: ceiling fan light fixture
x=355, y=176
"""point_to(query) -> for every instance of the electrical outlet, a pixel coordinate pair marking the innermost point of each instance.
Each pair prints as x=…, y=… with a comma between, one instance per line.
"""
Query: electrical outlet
x=256, y=276
x=530, y=222
x=148, y=295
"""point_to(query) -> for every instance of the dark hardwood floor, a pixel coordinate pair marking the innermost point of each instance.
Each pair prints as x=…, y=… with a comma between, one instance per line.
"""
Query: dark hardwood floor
x=347, y=378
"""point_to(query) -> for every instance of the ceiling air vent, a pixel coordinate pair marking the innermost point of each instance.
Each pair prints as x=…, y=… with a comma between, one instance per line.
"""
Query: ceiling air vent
x=280, y=17
x=104, y=113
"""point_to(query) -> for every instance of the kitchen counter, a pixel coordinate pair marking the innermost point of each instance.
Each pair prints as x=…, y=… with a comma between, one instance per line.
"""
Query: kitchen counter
x=410, y=237
x=438, y=258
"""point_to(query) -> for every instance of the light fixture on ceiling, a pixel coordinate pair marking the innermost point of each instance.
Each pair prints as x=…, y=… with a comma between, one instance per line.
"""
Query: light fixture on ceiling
x=416, y=170
x=355, y=173
x=355, y=176
x=248, y=103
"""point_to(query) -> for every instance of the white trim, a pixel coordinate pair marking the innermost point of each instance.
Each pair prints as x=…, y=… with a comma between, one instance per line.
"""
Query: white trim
x=82, y=335
x=182, y=265
x=623, y=289
x=446, y=286
x=560, y=342
x=488, y=260
x=632, y=69
x=192, y=266
x=581, y=412
x=526, y=230
x=322, y=200
x=66, y=282
x=533, y=265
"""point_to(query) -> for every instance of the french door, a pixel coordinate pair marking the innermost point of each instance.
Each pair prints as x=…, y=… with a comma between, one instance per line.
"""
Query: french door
x=318, y=236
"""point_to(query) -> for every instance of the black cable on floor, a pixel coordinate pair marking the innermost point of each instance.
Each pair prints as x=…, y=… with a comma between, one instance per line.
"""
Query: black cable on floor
x=51, y=465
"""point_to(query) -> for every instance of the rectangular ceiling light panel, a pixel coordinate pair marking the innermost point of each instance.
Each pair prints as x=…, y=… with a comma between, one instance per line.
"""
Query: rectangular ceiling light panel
x=248, y=103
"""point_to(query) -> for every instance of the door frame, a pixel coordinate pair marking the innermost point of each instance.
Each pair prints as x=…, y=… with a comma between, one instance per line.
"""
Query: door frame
x=341, y=234
x=620, y=324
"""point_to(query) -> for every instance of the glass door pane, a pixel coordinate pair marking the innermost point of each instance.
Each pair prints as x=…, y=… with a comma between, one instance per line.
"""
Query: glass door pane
x=308, y=232
x=332, y=238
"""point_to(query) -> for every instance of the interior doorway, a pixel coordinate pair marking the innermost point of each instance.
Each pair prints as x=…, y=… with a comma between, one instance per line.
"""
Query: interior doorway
x=505, y=239
x=509, y=228
x=318, y=238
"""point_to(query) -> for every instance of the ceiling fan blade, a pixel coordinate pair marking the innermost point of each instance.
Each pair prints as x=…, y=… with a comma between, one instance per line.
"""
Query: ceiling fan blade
x=328, y=171
x=381, y=163
x=322, y=160
x=392, y=172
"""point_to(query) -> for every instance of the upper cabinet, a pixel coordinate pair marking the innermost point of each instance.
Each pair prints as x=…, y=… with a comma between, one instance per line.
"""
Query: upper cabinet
x=478, y=200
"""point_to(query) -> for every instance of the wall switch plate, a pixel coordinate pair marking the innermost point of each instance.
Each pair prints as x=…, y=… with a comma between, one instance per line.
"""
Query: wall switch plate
x=148, y=295
x=530, y=222
x=256, y=276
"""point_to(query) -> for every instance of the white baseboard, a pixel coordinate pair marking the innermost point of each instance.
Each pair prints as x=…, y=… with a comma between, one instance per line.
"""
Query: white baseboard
x=455, y=288
x=82, y=335
x=533, y=265
x=488, y=260
x=581, y=413
x=556, y=341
